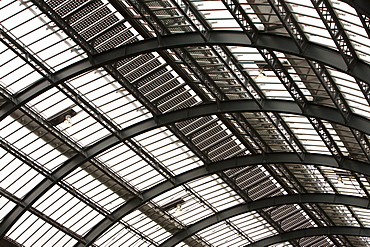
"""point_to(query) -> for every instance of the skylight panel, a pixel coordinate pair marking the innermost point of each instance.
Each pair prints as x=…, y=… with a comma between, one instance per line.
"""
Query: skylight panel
x=213, y=137
x=183, y=204
x=359, y=240
x=285, y=244
x=192, y=211
x=67, y=210
x=91, y=182
x=319, y=240
x=340, y=214
x=363, y=215
x=312, y=178
x=18, y=178
x=83, y=128
x=158, y=82
x=120, y=235
x=185, y=97
x=255, y=226
x=182, y=162
x=215, y=192
x=264, y=76
x=346, y=183
x=108, y=97
x=5, y=206
x=222, y=234
x=217, y=15
x=10, y=19
x=147, y=225
x=50, y=102
x=169, y=200
x=354, y=29
x=29, y=143
x=113, y=156
x=168, y=150
x=351, y=91
x=302, y=128
x=132, y=167
x=50, y=45
x=311, y=23
x=334, y=131
x=15, y=74
x=255, y=18
x=31, y=230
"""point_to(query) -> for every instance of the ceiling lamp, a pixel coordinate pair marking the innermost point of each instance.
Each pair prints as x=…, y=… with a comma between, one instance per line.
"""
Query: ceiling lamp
x=67, y=121
x=178, y=209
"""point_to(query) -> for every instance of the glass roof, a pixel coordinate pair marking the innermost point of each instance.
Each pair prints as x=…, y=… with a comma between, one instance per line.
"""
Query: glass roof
x=184, y=123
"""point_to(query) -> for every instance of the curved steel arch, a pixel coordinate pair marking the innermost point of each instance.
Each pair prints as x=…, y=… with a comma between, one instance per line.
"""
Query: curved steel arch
x=265, y=203
x=323, y=112
x=314, y=231
x=250, y=160
x=333, y=58
x=280, y=43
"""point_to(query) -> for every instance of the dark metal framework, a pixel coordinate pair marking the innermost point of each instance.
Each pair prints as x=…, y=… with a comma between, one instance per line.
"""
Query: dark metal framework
x=250, y=117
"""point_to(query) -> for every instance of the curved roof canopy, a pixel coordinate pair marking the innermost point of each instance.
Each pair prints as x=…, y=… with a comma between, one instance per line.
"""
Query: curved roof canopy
x=184, y=123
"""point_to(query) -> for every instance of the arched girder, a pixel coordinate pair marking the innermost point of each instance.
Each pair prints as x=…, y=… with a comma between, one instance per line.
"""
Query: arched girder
x=310, y=232
x=250, y=160
x=313, y=51
x=317, y=111
x=265, y=203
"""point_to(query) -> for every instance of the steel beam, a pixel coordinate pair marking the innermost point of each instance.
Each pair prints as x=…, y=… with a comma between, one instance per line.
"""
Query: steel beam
x=265, y=203
x=267, y=41
x=243, y=161
x=322, y=112
x=330, y=57
x=309, y=232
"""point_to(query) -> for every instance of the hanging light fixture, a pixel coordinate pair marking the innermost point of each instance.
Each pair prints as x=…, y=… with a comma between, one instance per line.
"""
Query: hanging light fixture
x=67, y=121
x=178, y=209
